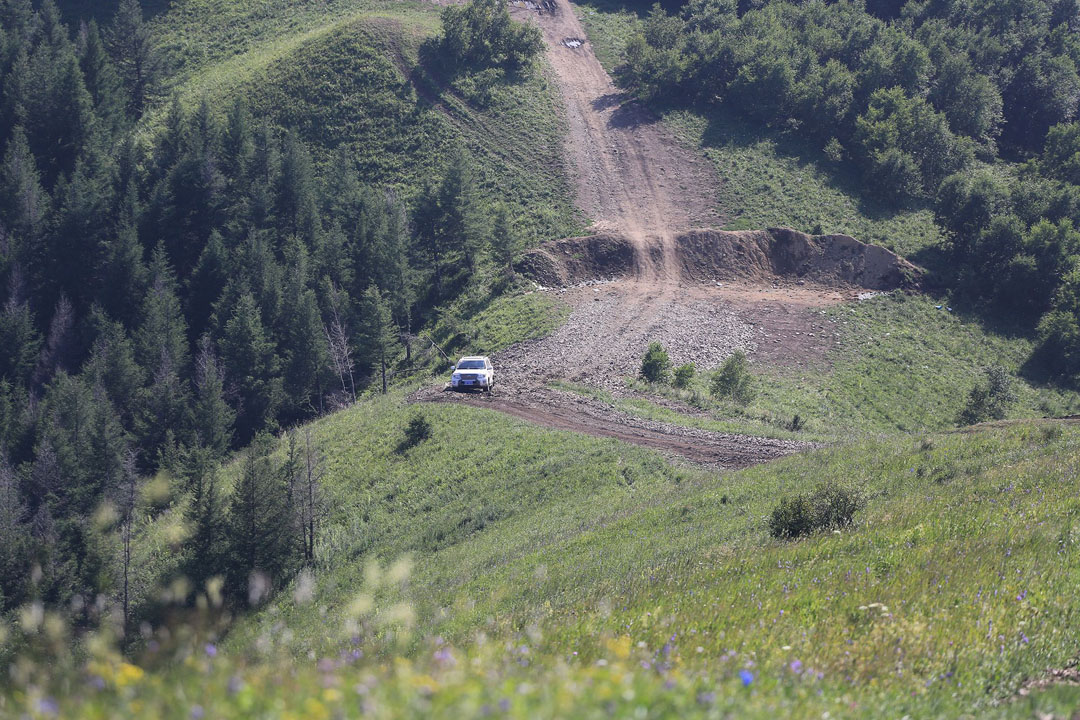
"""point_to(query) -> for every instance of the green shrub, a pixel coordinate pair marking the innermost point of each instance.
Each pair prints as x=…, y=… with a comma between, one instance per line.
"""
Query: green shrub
x=683, y=375
x=829, y=506
x=417, y=431
x=656, y=365
x=480, y=35
x=733, y=379
x=989, y=400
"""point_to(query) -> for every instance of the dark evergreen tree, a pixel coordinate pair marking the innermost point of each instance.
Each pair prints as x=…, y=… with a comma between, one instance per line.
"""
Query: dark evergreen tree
x=24, y=203
x=101, y=79
x=212, y=417
x=380, y=333
x=205, y=558
x=15, y=550
x=261, y=538
x=162, y=335
x=251, y=368
x=136, y=57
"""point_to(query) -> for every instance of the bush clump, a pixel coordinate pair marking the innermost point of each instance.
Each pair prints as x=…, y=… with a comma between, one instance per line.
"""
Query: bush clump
x=417, y=431
x=990, y=399
x=480, y=35
x=829, y=506
x=656, y=365
x=683, y=375
x=733, y=380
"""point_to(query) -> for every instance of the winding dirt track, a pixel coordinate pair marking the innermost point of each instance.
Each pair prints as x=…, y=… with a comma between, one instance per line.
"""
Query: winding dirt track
x=636, y=181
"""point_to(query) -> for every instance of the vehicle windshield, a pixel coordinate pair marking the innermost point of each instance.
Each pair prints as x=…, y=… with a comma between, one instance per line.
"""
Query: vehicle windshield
x=471, y=365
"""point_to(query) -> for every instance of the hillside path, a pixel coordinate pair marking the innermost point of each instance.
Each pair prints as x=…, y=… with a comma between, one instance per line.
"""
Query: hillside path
x=635, y=180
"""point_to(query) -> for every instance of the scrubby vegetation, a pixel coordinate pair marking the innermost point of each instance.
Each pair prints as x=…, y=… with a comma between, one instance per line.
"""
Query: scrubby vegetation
x=656, y=365
x=966, y=110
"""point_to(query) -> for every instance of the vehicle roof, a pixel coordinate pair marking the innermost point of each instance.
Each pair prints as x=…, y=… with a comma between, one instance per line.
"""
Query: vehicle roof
x=474, y=357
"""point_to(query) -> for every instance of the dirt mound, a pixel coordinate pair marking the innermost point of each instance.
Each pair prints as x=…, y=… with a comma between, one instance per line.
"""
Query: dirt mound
x=710, y=255
x=574, y=260
x=707, y=255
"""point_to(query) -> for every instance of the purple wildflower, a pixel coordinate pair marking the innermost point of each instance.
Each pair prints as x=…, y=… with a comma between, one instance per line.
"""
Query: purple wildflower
x=197, y=712
x=47, y=706
x=211, y=650
x=747, y=677
x=796, y=666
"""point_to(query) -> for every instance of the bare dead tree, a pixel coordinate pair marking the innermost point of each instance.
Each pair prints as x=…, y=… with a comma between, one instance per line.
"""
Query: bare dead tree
x=54, y=356
x=340, y=352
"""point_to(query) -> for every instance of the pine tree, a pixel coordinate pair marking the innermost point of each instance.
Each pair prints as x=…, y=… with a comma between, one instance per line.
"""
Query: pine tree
x=162, y=334
x=380, y=334
x=205, y=558
x=261, y=538
x=251, y=367
x=15, y=552
x=212, y=417
x=20, y=342
x=124, y=494
x=505, y=241
x=163, y=411
x=112, y=366
x=24, y=204
x=265, y=168
x=296, y=195
x=124, y=276
x=136, y=56
x=82, y=229
x=101, y=79
x=303, y=343
x=207, y=282
x=59, y=352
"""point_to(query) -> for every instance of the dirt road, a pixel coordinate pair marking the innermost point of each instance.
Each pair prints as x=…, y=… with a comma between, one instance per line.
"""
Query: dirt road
x=635, y=181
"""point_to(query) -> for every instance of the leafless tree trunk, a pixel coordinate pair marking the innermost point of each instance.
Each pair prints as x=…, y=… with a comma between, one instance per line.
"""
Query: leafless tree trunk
x=126, y=496
x=312, y=500
x=340, y=352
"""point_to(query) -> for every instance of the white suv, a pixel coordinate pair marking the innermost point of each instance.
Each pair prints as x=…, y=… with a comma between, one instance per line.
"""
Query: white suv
x=473, y=371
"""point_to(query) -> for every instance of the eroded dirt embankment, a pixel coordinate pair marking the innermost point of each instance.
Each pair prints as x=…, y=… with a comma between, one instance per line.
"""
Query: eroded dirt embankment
x=711, y=255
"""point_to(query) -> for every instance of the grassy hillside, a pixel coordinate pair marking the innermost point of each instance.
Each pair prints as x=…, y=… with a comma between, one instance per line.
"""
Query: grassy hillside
x=768, y=178
x=550, y=574
x=350, y=74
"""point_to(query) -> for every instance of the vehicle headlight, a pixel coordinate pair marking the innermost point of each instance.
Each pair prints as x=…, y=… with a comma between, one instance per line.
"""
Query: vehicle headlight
x=457, y=376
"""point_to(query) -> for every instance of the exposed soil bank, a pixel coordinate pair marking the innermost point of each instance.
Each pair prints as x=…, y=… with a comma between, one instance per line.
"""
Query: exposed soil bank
x=711, y=255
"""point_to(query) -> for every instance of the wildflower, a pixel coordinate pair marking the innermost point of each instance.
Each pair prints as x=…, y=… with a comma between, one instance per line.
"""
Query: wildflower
x=197, y=712
x=211, y=650
x=796, y=666
x=444, y=657
x=128, y=674
x=747, y=677
x=47, y=706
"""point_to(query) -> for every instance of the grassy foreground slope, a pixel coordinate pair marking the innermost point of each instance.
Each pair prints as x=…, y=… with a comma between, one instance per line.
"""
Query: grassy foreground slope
x=499, y=567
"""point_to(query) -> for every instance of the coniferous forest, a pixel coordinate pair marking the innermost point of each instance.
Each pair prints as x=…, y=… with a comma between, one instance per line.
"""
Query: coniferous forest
x=169, y=297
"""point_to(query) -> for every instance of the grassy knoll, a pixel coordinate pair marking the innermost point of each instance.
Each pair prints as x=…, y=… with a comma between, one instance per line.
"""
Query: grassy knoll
x=352, y=74
x=556, y=575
